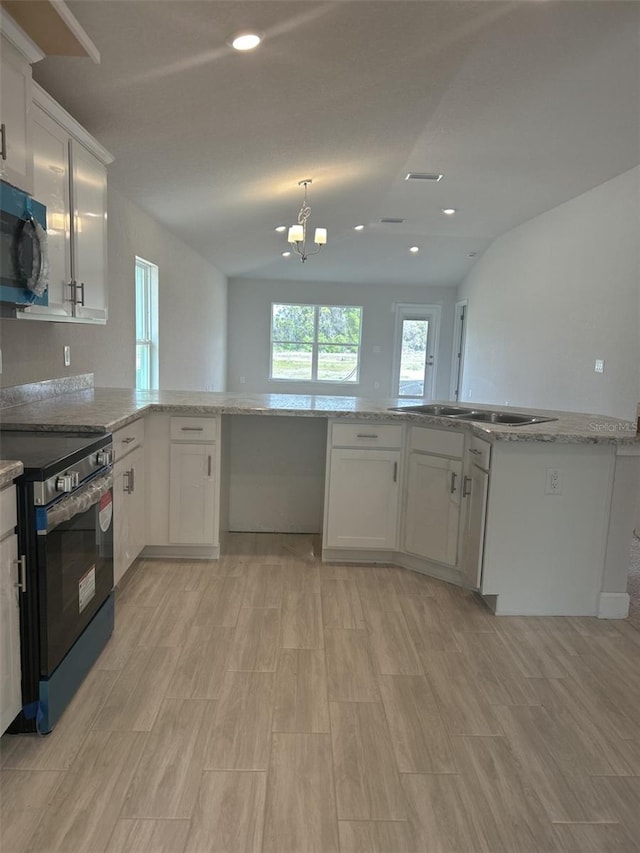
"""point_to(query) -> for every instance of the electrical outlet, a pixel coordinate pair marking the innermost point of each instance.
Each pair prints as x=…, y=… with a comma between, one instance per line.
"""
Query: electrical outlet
x=553, y=485
x=599, y=367
x=67, y=356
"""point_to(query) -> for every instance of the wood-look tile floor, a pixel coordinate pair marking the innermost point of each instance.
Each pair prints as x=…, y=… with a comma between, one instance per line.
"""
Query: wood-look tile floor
x=267, y=702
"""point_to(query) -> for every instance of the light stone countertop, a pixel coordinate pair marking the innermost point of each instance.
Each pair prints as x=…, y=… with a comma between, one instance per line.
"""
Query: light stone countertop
x=8, y=472
x=108, y=409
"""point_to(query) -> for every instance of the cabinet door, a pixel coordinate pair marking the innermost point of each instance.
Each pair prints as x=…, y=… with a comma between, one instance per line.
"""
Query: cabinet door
x=192, y=494
x=136, y=540
x=433, y=508
x=51, y=187
x=15, y=106
x=88, y=235
x=476, y=488
x=10, y=676
x=362, y=499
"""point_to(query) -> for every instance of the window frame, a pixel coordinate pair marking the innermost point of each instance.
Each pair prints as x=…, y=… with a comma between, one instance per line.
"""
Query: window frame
x=150, y=321
x=315, y=345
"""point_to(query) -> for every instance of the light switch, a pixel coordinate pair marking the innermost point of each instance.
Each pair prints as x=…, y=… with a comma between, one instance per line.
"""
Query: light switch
x=599, y=368
x=67, y=356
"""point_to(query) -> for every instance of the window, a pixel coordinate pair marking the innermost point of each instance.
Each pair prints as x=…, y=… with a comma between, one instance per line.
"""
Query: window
x=417, y=329
x=315, y=343
x=146, y=325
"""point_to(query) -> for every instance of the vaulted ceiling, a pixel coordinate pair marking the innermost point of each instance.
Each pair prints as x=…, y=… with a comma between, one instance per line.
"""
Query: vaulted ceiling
x=520, y=105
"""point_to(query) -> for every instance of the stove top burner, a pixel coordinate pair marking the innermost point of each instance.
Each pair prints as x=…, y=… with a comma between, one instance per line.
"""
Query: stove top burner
x=44, y=454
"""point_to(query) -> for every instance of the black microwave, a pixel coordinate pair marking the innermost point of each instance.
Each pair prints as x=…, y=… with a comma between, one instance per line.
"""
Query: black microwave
x=23, y=258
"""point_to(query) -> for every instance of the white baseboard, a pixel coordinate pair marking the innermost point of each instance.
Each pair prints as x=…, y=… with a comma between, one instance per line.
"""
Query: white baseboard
x=613, y=605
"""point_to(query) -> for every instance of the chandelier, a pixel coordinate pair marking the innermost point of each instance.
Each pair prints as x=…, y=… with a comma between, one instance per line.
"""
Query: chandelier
x=297, y=236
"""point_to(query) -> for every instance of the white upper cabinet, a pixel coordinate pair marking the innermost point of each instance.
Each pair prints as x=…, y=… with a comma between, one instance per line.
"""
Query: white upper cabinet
x=70, y=179
x=15, y=106
x=51, y=187
x=88, y=234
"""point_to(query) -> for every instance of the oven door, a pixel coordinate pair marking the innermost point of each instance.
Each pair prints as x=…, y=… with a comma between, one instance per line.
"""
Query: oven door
x=74, y=566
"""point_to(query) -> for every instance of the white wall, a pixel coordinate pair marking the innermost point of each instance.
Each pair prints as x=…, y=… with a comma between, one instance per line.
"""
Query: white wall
x=192, y=306
x=551, y=296
x=249, y=331
x=192, y=309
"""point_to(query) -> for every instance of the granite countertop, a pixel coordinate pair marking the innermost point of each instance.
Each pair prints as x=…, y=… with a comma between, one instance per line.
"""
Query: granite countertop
x=108, y=409
x=8, y=472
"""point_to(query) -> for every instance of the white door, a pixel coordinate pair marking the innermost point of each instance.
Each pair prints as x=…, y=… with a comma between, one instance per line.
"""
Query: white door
x=192, y=494
x=89, y=187
x=10, y=677
x=362, y=499
x=475, y=487
x=51, y=187
x=416, y=345
x=433, y=508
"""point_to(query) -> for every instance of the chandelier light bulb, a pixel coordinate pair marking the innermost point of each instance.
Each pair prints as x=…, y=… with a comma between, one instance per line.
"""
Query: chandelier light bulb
x=297, y=235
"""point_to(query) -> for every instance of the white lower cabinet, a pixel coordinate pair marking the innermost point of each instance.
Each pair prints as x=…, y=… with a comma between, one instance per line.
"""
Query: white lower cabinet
x=10, y=578
x=362, y=499
x=128, y=497
x=432, y=513
x=183, y=482
x=475, y=492
x=432, y=504
x=362, y=488
x=192, y=494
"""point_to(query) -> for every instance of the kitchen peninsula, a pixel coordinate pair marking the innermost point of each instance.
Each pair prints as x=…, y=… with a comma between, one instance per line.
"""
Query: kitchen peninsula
x=537, y=517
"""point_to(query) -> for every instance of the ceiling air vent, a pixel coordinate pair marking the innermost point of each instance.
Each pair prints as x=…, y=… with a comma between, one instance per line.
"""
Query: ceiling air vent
x=391, y=220
x=423, y=176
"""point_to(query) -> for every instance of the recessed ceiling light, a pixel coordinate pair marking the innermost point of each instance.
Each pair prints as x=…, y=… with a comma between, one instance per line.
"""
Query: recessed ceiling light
x=423, y=176
x=358, y=227
x=280, y=228
x=448, y=211
x=245, y=40
x=414, y=249
x=286, y=254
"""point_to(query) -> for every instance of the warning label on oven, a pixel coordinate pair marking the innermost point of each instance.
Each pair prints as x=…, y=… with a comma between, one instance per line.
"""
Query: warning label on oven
x=105, y=513
x=86, y=588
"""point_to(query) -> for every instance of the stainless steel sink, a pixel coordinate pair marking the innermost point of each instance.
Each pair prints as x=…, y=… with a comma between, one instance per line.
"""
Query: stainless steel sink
x=433, y=409
x=460, y=413
x=508, y=418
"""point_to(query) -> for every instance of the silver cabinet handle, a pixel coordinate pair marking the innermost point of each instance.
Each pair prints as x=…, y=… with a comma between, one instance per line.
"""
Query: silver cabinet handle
x=128, y=439
x=21, y=563
x=209, y=465
x=127, y=481
x=466, y=482
x=475, y=452
x=395, y=472
x=454, y=476
x=3, y=144
x=192, y=429
x=366, y=435
x=81, y=288
x=132, y=479
x=73, y=287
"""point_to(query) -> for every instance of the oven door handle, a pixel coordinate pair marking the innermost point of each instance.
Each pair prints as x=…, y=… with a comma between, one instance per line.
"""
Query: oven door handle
x=77, y=502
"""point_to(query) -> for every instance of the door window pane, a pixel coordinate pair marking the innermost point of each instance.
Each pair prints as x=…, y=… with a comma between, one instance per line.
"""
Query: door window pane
x=413, y=356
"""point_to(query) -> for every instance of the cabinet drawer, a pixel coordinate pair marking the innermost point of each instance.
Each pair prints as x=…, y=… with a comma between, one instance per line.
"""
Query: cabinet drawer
x=370, y=434
x=193, y=429
x=438, y=441
x=480, y=452
x=8, y=513
x=128, y=438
